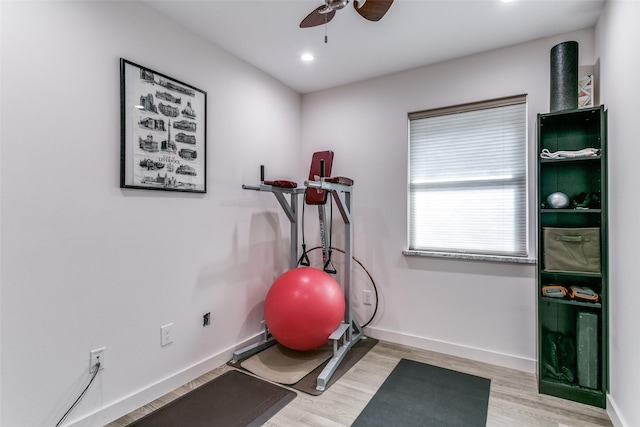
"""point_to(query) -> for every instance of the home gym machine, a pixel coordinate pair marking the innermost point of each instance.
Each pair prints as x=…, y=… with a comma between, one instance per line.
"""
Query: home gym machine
x=316, y=191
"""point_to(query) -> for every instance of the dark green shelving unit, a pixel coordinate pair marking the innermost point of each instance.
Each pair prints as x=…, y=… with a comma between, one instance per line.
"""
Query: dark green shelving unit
x=558, y=323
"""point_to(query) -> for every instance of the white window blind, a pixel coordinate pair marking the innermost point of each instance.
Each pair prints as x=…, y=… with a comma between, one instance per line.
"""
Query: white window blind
x=467, y=179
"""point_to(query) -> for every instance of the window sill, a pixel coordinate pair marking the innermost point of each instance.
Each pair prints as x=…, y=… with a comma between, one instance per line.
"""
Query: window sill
x=471, y=257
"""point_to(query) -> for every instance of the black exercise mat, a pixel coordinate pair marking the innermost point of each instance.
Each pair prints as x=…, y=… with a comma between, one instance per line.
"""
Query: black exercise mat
x=232, y=399
x=417, y=394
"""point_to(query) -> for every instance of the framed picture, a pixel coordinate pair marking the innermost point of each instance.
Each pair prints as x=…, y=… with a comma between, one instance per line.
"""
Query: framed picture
x=163, y=132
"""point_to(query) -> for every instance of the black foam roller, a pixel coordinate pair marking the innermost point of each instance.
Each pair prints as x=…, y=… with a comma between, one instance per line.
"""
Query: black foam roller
x=564, y=76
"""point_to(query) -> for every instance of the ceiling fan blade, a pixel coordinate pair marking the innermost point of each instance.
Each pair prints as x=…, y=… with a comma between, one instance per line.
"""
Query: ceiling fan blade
x=316, y=18
x=373, y=10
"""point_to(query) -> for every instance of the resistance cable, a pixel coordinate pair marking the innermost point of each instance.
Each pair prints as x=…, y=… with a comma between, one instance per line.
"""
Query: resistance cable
x=373, y=283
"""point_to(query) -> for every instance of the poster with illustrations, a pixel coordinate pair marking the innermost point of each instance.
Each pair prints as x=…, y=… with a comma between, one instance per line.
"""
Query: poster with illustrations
x=163, y=131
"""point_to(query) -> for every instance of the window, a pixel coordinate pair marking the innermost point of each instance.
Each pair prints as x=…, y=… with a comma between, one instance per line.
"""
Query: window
x=468, y=180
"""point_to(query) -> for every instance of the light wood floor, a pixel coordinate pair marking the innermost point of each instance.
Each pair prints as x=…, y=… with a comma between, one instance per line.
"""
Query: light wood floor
x=513, y=401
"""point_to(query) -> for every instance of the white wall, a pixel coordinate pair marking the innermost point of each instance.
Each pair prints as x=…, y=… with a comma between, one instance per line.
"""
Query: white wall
x=618, y=34
x=86, y=264
x=482, y=310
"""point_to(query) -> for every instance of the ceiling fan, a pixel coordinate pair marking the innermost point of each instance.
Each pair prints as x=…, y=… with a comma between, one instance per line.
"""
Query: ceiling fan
x=372, y=10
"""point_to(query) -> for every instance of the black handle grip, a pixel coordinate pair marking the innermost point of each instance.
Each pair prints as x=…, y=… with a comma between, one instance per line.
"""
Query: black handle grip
x=261, y=173
x=321, y=168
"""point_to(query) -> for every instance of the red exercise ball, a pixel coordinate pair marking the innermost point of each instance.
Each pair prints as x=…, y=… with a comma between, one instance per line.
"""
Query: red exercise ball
x=303, y=307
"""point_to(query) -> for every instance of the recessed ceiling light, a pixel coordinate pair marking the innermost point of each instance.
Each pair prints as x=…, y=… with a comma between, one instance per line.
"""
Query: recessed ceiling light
x=306, y=57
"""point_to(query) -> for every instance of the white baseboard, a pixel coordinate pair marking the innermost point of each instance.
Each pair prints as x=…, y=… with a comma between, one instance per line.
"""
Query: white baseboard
x=614, y=413
x=127, y=404
x=478, y=354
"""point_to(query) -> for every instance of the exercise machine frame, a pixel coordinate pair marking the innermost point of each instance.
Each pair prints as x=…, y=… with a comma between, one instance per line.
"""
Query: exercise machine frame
x=349, y=332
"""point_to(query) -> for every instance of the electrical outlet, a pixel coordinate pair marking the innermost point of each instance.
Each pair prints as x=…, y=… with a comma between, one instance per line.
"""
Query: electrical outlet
x=96, y=356
x=366, y=297
x=206, y=319
x=166, y=334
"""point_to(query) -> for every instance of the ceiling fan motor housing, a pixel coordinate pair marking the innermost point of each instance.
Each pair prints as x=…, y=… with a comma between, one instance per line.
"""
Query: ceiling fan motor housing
x=336, y=4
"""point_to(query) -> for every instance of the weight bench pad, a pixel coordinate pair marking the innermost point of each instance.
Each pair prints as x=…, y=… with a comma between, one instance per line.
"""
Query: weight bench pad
x=314, y=196
x=340, y=180
x=281, y=183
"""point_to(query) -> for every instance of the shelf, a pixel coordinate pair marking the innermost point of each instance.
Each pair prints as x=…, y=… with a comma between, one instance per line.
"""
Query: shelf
x=571, y=302
x=571, y=273
x=580, y=322
x=585, y=113
x=572, y=391
x=571, y=159
x=570, y=211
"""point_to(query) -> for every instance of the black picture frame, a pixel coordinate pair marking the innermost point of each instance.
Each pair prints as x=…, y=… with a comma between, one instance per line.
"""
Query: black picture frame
x=163, y=132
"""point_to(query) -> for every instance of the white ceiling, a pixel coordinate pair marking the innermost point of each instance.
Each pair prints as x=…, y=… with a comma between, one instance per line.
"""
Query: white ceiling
x=266, y=33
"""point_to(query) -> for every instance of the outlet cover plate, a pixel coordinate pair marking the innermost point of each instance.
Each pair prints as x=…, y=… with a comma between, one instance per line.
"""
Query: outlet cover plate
x=95, y=356
x=366, y=297
x=166, y=334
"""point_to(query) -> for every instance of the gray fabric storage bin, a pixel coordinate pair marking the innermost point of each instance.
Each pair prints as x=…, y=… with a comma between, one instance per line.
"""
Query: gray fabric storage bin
x=571, y=249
